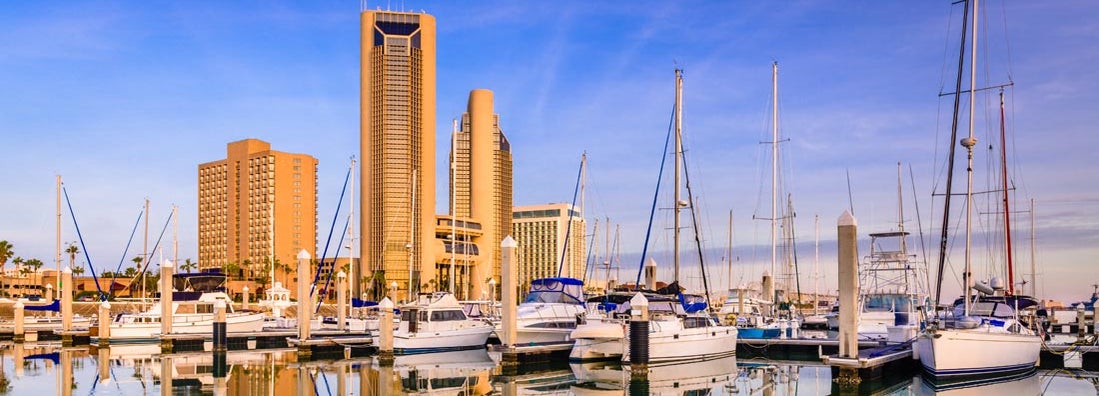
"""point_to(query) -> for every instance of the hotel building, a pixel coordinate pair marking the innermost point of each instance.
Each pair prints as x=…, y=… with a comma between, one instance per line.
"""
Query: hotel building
x=542, y=232
x=256, y=205
x=397, y=148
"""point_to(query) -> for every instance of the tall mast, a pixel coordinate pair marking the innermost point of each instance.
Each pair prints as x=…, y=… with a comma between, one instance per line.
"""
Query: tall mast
x=816, y=262
x=175, y=236
x=678, y=158
x=1007, y=208
x=271, y=237
x=351, y=236
x=145, y=250
x=454, y=196
x=968, y=143
x=58, y=258
x=774, y=170
x=1033, y=272
x=607, y=240
x=950, y=159
x=729, y=251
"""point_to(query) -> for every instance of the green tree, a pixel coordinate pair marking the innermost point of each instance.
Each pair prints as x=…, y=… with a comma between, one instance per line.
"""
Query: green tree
x=72, y=250
x=130, y=272
x=137, y=263
x=188, y=265
x=245, y=268
x=77, y=271
x=35, y=265
x=6, y=251
x=231, y=269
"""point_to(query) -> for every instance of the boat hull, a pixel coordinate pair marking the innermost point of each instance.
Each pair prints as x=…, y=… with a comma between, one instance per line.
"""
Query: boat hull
x=193, y=324
x=442, y=341
x=962, y=354
x=690, y=344
x=598, y=340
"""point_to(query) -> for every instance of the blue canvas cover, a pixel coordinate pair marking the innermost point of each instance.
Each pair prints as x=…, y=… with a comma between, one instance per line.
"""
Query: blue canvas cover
x=556, y=290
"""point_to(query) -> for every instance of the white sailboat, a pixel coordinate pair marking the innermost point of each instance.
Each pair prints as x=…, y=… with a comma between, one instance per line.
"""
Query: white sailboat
x=983, y=336
x=681, y=327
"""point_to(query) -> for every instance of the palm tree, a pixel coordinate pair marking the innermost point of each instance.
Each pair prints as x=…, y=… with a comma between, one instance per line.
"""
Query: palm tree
x=78, y=271
x=72, y=250
x=188, y=265
x=6, y=251
x=137, y=262
x=35, y=264
x=246, y=267
x=231, y=268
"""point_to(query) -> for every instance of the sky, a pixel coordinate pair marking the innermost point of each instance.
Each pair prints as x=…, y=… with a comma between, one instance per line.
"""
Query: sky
x=125, y=99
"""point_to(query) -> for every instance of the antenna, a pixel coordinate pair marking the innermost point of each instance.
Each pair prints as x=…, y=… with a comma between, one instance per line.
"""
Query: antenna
x=850, y=199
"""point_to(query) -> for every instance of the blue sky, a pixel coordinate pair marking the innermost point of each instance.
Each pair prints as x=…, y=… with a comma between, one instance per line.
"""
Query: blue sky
x=124, y=99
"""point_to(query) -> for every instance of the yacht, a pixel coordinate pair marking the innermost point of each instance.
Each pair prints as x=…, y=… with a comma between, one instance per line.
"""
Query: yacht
x=437, y=323
x=192, y=311
x=550, y=312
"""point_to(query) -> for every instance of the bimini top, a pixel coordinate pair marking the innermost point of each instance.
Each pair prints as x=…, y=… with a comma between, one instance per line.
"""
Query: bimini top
x=556, y=290
x=206, y=281
x=995, y=306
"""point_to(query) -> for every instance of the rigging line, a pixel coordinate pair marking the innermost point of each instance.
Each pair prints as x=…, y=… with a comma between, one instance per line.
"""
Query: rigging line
x=794, y=246
x=694, y=223
x=328, y=280
x=950, y=166
x=124, y=251
x=155, y=246
x=102, y=296
x=328, y=241
x=656, y=194
x=588, y=264
x=919, y=225
x=571, y=209
x=850, y=196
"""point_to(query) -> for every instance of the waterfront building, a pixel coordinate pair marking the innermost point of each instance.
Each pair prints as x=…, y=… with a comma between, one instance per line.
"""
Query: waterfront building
x=397, y=148
x=481, y=187
x=255, y=206
x=543, y=231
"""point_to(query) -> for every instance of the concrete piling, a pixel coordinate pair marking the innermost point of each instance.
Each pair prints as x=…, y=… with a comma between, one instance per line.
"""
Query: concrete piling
x=639, y=337
x=165, y=375
x=19, y=334
x=104, y=317
x=341, y=301
x=847, y=244
x=769, y=293
x=1081, y=324
x=66, y=372
x=66, y=307
x=245, y=303
x=508, y=294
x=385, y=332
x=305, y=309
x=166, y=272
x=103, y=363
x=221, y=339
x=650, y=274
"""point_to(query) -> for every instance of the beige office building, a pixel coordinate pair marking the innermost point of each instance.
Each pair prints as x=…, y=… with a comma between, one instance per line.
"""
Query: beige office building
x=541, y=231
x=255, y=205
x=397, y=145
x=481, y=183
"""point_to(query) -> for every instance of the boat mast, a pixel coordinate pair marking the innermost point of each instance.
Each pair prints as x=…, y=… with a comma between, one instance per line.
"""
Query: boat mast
x=453, y=197
x=816, y=263
x=729, y=251
x=271, y=238
x=900, y=224
x=950, y=159
x=1007, y=208
x=774, y=172
x=1033, y=272
x=968, y=143
x=607, y=238
x=58, y=258
x=145, y=250
x=678, y=158
x=175, y=236
x=351, y=235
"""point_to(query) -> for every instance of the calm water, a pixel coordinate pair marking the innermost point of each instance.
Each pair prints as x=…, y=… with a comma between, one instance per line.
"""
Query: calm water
x=45, y=369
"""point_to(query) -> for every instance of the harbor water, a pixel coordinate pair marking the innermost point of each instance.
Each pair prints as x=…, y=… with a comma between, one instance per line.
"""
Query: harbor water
x=46, y=368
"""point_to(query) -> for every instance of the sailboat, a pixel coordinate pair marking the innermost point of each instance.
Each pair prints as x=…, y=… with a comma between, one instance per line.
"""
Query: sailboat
x=983, y=336
x=681, y=327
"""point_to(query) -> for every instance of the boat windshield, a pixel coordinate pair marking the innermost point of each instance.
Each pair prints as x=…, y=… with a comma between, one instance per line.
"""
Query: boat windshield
x=887, y=303
x=556, y=290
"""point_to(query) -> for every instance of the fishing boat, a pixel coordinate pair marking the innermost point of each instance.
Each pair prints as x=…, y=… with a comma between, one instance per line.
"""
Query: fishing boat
x=982, y=336
x=192, y=311
x=437, y=323
x=681, y=326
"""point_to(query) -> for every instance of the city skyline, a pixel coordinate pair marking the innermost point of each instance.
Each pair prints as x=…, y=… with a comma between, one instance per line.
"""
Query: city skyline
x=124, y=100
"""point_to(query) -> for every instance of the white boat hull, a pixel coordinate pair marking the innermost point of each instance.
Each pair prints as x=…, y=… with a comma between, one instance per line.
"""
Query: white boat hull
x=448, y=340
x=598, y=340
x=189, y=324
x=689, y=344
x=956, y=353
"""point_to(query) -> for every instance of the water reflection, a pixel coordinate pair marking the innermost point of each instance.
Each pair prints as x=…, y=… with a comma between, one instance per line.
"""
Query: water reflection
x=44, y=369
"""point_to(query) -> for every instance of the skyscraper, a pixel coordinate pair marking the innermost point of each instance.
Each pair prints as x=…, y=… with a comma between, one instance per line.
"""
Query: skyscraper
x=482, y=182
x=256, y=205
x=542, y=232
x=397, y=144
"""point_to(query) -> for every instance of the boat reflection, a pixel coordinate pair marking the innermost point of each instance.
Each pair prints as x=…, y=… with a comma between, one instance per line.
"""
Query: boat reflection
x=606, y=378
x=1026, y=384
x=447, y=373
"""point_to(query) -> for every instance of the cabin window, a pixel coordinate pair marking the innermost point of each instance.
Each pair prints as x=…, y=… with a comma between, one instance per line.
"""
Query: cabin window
x=443, y=316
x=695, y=322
